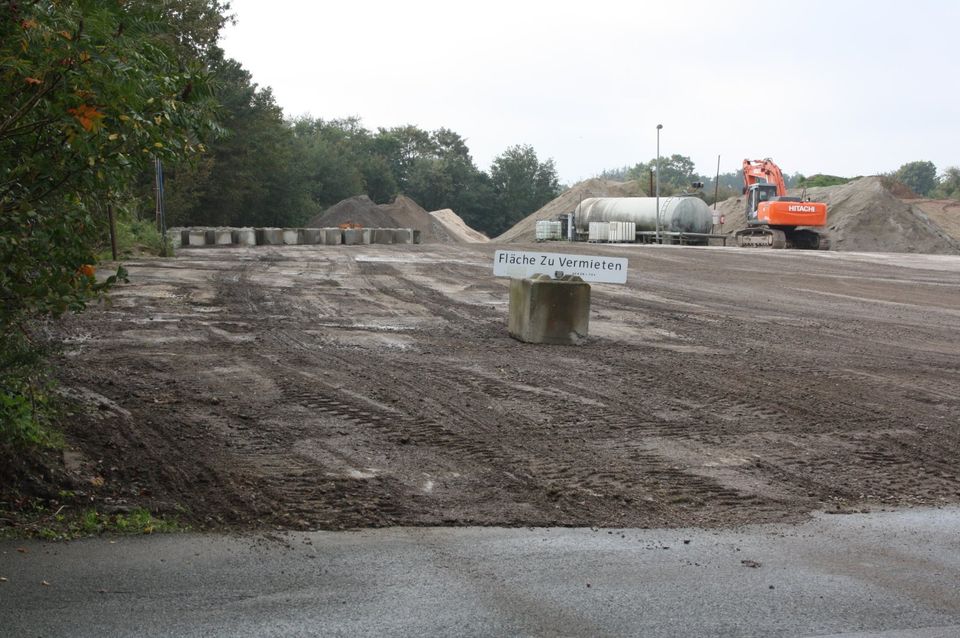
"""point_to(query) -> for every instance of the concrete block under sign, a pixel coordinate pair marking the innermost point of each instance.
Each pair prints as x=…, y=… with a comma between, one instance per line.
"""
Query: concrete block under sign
x=545, y=310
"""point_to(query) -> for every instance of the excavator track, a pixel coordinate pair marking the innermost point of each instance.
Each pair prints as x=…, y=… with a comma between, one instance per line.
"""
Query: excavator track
x=764, y=237
x=761, y=238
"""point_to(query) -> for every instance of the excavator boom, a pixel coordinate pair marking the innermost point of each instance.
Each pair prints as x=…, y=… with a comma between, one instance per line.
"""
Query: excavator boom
x=763, y=172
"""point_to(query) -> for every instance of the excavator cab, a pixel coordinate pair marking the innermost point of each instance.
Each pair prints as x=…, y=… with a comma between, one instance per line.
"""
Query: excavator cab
x=759, y=193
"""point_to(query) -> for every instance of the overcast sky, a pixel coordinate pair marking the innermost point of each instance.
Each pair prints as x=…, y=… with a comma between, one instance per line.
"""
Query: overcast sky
x=841, y=87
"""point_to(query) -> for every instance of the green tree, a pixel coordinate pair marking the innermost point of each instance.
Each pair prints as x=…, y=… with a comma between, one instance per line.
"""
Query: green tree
x=521, y=185
x=949, y=186
x=921, y=177
x=92, y=92
x=252, y=174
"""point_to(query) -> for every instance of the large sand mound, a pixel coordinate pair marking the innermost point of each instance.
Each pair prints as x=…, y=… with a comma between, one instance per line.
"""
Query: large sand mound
x=525, y=229
x=356, y=210
x=864, y=216
x=407, y=213
x=945, y=213
x=402, y=212
x=458, y=228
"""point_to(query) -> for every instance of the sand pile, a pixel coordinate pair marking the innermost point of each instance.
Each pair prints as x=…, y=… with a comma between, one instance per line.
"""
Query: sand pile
x=864, y=215
x=407, y=213
x=525, y=229
x=945, y=213
x=356, y=210
x=402, y=212
x=458, y=228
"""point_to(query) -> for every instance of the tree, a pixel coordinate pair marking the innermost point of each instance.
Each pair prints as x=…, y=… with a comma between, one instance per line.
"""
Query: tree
x=921, y=177
x=521, y=185
x=949, y=186
x=251, y=175
x=92, y=92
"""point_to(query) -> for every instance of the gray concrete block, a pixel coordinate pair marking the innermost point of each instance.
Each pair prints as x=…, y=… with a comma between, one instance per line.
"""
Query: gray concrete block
x=291, y=236
x=223, y=236
x=269, y=236
x=417, y=237
x=545, y=310
x=332, y=236
x=245, y=237
x=311, y=236
x=210, y=236
x=382, y=236
x=175, y=237
x=403, y=236
x=197, y=237
x=357, y=236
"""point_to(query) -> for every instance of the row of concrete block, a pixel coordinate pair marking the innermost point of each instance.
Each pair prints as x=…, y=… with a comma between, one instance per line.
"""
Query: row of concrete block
x=290, y=236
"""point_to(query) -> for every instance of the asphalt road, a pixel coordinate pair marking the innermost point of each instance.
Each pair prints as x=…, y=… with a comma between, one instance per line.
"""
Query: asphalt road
x=884, y=574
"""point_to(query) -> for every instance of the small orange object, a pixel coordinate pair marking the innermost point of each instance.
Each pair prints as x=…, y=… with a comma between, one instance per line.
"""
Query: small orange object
x=87, y=270
x=349, y=225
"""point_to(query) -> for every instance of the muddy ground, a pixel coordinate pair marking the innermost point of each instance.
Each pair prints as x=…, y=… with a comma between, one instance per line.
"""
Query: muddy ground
x=331, y=387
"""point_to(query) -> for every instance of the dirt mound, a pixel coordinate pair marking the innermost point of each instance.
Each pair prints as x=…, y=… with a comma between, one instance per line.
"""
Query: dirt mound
x=458, y=228
x=407, y=213
x=358, y=210
x=864, y=215
x=524, y=230
x=945, y=213
x=402, y=212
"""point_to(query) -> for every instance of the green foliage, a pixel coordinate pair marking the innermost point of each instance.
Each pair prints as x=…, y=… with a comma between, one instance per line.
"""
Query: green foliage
x=920, y=176
x=92, y=92
x=67, y=524
x=134, y=237
x=521, y=184
x=253, y=174
x=820, y=180
x=139, y=521
x=24, y=396
x=949, y=186
x=267, y=172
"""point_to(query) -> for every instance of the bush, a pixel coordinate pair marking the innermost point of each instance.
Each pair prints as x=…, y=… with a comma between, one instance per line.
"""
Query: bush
x=821, y=180
x=24, y=397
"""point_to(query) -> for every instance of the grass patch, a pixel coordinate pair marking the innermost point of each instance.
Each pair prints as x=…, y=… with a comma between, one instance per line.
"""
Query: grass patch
x=135, y=237
x=61, y=525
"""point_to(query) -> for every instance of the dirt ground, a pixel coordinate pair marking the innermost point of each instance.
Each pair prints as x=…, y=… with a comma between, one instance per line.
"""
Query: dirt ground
x=333, y=387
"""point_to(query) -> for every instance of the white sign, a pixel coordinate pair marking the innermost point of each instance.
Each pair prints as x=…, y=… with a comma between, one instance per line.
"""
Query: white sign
x=593, y=269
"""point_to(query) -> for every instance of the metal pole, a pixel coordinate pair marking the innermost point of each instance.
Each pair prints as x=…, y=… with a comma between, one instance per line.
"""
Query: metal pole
x=161, y=214
x=113, y=231
x=659, y=126
x=716, y=185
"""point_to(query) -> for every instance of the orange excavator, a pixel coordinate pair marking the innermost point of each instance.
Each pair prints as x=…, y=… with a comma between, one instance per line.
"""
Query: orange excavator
x=773, y=218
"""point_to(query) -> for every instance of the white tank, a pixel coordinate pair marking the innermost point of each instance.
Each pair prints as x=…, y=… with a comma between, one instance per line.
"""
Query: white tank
x=677, y=214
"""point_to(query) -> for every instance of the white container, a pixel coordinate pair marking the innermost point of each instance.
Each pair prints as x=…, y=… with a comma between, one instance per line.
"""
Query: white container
x=622, y=231
x=599, y=231
x=549, y=231
x=291, y=237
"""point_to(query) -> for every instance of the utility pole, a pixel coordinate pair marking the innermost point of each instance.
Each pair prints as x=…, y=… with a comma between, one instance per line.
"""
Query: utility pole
x=716, y=185
x=659, y=126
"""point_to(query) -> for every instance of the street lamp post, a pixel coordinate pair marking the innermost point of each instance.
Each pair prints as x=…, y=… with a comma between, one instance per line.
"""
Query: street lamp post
x=659, y=126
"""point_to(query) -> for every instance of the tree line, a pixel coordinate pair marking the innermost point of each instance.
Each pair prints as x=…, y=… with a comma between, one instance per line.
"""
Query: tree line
x=268, y=170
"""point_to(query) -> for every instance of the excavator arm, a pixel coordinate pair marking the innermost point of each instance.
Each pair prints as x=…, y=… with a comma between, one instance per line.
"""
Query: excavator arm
x=763, y=172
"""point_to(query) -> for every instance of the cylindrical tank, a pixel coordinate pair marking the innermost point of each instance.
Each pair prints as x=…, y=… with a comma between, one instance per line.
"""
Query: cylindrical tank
x=677, y=214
